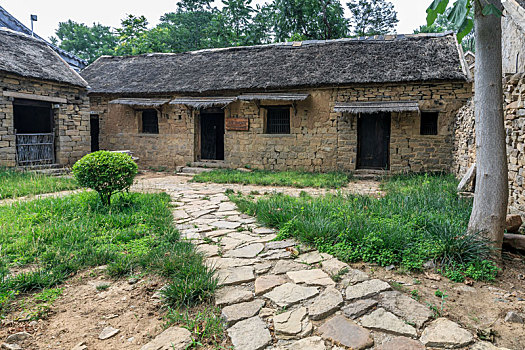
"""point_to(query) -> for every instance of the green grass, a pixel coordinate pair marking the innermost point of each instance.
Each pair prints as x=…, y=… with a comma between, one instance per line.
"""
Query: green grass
x=17, y=184
x=298, y=179
x=421, y=218
x=59, y=236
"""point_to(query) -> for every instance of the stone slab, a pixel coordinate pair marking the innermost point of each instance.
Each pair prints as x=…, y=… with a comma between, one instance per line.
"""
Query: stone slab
x=232, y=295
x=325, y=304
x=173, y=338
x=289, y=294
x=315, y=277
x=401, y=343
x=387, y=322
x=266, y=283
x=358, y=308
x=250, y=334
x=366, y=289
x=241, y=311
x=235, y=275
x=343, y=331
x=246, y=252
x=443, y=333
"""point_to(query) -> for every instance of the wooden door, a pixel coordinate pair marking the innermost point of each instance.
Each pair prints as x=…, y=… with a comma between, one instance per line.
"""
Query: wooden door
x=212, y=136
x=95, y=133
x=373, y=133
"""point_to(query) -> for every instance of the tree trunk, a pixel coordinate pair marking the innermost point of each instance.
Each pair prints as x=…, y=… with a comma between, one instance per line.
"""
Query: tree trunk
x=491, y=195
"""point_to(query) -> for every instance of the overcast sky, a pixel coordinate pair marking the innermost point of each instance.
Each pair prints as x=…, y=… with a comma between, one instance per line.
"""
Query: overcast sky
x=411, y=13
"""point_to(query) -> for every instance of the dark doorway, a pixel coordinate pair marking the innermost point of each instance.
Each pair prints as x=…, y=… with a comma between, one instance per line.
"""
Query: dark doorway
x=95, y=133
x=34, y=129
x=373, y=133
x=212, y=135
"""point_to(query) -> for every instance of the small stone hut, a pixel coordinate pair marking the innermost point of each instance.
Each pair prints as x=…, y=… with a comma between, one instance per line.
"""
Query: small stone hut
x=386, y=102
x=44, y=108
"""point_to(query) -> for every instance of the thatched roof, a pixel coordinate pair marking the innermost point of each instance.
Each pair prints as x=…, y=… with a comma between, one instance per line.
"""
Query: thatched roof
x=380, y=106
x=401, y=58
x=31, y=57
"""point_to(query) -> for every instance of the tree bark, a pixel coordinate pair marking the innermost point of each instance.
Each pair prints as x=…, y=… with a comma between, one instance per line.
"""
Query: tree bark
x=491, y=195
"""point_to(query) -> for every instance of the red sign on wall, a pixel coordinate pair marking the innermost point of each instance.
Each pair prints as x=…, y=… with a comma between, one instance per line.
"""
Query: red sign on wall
x=237, y=124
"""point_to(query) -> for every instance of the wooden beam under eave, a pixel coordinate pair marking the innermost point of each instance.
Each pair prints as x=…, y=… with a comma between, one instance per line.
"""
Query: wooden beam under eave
x=34, y=97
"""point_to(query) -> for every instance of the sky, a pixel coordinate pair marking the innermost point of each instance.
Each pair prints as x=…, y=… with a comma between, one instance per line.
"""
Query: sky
x=411, y=13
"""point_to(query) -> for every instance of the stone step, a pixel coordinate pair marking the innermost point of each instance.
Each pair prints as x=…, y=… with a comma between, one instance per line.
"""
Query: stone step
x=46, y=169
x=370, y=174
x=194, y=170
x=217, y=164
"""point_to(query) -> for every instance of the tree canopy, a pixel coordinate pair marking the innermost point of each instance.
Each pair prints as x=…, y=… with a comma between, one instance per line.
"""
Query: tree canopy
x=196, y=24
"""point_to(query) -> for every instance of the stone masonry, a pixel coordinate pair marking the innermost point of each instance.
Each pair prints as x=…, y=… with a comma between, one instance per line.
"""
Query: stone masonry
x=71, y=119
x=319, y=139
x=514, y=109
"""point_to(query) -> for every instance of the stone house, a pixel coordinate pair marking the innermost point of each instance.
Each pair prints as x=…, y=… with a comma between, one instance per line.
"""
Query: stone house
x=44, y=108
x=513, y=38
x=385, y=102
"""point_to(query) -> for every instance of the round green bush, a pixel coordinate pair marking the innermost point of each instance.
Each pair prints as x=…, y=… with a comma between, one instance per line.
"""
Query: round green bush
x=105, y=172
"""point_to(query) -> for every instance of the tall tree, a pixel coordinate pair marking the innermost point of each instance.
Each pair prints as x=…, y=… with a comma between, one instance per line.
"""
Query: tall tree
x=309, y=19
x=86, y=42
x=372, y=17
x=491, y=196
x=238, y=16
x=132, y=36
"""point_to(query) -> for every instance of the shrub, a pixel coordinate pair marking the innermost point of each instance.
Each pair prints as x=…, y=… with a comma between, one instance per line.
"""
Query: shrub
x=105, y=172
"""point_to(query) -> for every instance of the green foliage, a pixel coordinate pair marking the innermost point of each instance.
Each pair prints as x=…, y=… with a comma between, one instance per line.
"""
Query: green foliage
x=87, y=42
x=105, y=172
x=460, y=15
x=17, y=184
x=206, y=326
x=420, y=218
x=372, y=17
x=196, y=24
x=59, y=236
x=308, y=19
x=298, y=179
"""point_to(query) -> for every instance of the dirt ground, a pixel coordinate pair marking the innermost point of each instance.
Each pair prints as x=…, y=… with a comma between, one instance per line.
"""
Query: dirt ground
x=480, y=307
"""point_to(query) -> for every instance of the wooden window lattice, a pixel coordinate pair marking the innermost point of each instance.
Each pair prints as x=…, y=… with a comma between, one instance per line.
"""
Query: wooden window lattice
x=278, y=120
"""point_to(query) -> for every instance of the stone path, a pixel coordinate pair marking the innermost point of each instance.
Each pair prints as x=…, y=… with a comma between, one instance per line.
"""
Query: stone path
x=285, y=296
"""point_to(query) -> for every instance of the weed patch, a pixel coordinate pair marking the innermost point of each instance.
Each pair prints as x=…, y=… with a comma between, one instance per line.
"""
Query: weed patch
x=60, y=236
x=421, y=218
x=18, y=184
x=270, y=178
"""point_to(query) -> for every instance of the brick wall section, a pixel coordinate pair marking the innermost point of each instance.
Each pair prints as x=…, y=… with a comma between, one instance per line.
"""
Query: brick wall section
x=319, y=139
x=72, y=140
x=464, y=142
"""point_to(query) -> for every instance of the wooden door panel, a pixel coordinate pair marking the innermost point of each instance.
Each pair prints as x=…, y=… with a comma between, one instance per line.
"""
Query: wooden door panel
x=373, y=131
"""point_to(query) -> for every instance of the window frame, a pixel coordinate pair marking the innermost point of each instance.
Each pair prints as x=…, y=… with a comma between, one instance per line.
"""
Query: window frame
x=430, y=126
x=267, y=125
x=155, y=130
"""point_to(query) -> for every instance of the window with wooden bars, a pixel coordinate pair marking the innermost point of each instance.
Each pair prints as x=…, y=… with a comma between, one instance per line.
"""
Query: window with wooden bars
x=150, y=121
x=429, y=123
x=278, y=120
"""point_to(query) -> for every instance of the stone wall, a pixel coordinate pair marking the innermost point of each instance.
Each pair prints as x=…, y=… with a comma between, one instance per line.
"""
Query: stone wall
x=71, y=117
x=513, y=39
x=319, y=140
x=514, y=109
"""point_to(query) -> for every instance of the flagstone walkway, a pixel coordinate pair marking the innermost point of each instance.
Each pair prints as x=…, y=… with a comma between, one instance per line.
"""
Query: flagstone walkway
x=283, y=295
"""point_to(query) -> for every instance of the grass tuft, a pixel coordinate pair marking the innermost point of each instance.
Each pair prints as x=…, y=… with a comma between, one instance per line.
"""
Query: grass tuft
x=15, y=184
x=421, y=218
x=298, y=179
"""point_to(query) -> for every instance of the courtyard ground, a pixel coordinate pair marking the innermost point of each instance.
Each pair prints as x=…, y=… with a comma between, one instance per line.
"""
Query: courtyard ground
x=282, y=294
